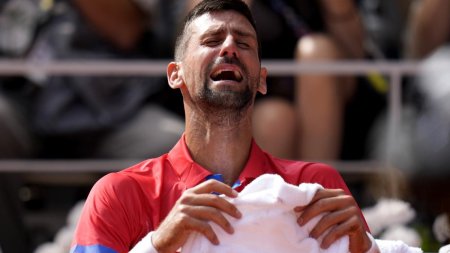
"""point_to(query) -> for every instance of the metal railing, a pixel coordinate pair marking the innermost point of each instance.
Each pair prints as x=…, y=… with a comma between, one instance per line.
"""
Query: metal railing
x=394, y=71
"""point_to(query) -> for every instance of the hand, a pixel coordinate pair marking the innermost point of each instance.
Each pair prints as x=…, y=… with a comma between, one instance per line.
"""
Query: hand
x=192, y=212
x=342, y=217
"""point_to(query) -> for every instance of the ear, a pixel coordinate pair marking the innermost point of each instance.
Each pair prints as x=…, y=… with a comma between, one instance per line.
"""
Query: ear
x=262, y=87
x=174, y=75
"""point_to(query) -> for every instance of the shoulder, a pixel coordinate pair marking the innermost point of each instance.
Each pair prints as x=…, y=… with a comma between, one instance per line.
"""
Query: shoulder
x=297, y=172
x=137, y=180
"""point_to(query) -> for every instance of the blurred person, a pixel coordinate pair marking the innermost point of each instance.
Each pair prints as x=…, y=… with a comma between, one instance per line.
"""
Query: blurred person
x=321, y=99
x=155, y=205
x=333, y=114
x=96, y=117
x=421, y=141
x=384, y=22
x=428, y=28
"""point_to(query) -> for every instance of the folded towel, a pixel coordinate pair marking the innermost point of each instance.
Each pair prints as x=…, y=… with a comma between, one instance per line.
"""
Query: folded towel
x=268, y=223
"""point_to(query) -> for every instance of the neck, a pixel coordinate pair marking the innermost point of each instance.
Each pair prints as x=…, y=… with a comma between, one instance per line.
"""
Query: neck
x=220, y=144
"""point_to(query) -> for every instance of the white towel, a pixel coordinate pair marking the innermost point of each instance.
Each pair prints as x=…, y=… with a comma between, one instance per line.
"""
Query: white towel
x=391, y=246
x=445, y=249
x=268, y=223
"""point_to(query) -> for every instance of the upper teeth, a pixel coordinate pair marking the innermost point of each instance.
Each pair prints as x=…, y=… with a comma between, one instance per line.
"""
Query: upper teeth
x=236, y=74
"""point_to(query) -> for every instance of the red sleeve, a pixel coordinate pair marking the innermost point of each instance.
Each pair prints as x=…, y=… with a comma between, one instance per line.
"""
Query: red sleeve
x=324, y=175
x=106, y=220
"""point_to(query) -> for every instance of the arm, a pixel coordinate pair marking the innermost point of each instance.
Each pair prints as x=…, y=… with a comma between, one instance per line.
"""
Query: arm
x=344, y=24
x=429, y=26
x=119, y=21
x=104, y=225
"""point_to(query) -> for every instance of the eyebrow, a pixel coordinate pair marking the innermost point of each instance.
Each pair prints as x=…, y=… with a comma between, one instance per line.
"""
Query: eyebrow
x=220, y=29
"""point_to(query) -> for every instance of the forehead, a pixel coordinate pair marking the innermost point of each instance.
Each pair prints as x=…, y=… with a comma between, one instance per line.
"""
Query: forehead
x=212, y=21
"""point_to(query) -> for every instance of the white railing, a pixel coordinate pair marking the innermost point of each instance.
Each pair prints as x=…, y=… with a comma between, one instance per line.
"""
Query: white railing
x=394, y=71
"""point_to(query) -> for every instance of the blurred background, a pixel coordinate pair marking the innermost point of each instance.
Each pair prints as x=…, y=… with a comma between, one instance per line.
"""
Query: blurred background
x=362, y=85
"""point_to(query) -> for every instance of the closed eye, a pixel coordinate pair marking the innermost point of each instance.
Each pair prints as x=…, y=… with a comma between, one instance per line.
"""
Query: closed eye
x=243, y=45
x=212, y=43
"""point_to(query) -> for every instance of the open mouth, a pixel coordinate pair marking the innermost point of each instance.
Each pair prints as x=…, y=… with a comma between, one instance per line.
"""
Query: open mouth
x=226, y=75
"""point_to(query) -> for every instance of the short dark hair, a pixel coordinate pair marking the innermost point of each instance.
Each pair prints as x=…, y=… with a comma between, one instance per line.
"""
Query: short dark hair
x=207, y=6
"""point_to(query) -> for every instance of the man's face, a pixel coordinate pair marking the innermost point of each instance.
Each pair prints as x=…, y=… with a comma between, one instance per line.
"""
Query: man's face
x=221, y=67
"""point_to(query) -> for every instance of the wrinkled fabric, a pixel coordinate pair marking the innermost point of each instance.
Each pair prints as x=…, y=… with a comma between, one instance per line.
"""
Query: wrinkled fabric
x=268, y=223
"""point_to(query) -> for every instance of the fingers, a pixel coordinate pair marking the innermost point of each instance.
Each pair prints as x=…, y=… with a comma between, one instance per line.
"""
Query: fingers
x=327, y=193
x=201, y=196
x=345, y=228
x=341, y=216
x=337, y=224
x=321, y=194
x=213, y=201
x=324, y=201
x=193, y=211
x=196, y=210
x=199, y=204
x=212, y=185
x=205, y=213
x=205, y=229
x=359, y=241
x=174, y=231
x=330, y=219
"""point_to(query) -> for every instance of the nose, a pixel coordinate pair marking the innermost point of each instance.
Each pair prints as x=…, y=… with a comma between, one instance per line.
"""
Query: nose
x=229, y=47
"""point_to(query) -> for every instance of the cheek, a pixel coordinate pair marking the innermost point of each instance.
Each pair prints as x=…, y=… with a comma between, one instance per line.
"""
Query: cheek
x=253, y=70
x=201, y=60
x=192, y=76
x=251, y=60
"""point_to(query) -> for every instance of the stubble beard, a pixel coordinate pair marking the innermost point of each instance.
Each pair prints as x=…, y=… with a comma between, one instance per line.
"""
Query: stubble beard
x=227, y=106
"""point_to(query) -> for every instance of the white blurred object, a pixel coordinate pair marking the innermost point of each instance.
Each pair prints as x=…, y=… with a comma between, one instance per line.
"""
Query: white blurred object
x=74, y=214
x=63, y=237
x=445, y=249
x=441, y=228
x=432, y=134
x=421, y=142
x=434, y=82
x=396, y=147
x=49, y=248
x=389, y=246
x=18, y=21
x=404, y=234
x=386, y=213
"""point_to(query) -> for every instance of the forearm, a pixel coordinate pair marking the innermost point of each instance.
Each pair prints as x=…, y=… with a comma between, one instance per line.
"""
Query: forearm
x=120, y=21
x=429, y=27
x=343, y=23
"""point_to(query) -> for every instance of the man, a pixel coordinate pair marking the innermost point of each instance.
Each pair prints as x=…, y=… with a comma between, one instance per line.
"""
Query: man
x=155, y=205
